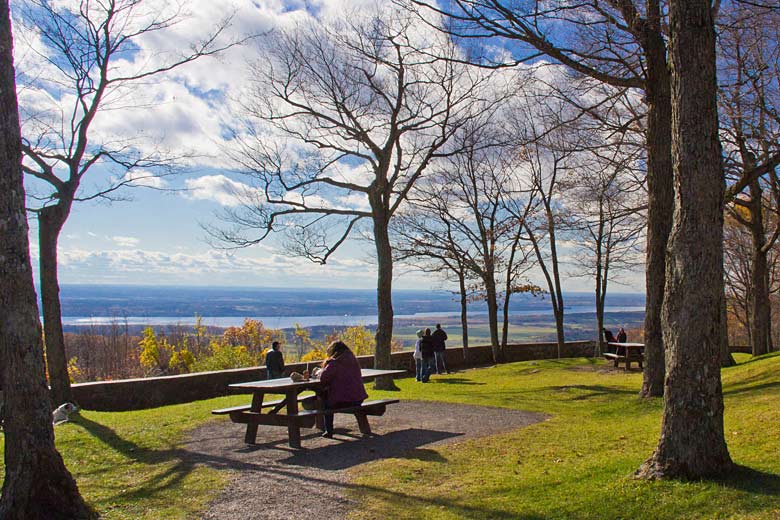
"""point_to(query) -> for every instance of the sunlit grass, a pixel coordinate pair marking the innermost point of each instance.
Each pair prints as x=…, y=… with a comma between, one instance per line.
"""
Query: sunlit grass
x=579, y=463
x=576, y=464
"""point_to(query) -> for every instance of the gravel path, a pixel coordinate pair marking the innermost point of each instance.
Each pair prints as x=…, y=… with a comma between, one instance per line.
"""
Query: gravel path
x=268, y=473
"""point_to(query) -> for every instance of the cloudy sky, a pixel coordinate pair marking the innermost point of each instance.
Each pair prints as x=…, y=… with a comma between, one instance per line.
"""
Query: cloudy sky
x=156, y=235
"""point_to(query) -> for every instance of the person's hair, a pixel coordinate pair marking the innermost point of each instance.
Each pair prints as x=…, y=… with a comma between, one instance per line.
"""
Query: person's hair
x=336, y=348
x=438, y=325
x=275, y=345
x=427, y=332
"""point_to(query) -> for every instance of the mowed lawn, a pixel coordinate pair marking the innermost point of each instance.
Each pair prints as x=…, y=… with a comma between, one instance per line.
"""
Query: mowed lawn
x=576, y=464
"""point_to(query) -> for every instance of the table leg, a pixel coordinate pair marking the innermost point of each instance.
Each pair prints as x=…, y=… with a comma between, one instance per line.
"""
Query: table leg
x=362, y=421
x=319, y=420
x=293, y=429
x=251, y=429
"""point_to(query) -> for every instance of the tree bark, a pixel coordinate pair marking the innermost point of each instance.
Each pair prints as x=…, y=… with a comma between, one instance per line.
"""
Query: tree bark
x=726, y=359
x=490, y=293
x=37, y=485
x=692, y=444
x=384, y=305
x=660, y=200
x=464, y=322
x=759, y=325
x=50, y=222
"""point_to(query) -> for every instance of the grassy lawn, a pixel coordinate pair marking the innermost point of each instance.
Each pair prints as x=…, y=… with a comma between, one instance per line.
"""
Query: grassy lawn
x=576, y=464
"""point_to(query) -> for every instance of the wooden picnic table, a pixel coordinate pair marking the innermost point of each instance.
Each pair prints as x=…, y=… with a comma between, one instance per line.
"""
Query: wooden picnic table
x=626, y=353
x=252, y=415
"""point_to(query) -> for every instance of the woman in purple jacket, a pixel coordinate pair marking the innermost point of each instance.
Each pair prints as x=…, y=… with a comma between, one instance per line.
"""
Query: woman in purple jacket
x=341, y=375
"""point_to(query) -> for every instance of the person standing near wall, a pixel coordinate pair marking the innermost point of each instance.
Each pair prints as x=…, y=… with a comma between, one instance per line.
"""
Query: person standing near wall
x=274, y=362
x=439, y=338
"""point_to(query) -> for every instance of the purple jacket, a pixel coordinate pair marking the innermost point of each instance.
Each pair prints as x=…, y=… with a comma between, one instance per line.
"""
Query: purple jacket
x=342, y=377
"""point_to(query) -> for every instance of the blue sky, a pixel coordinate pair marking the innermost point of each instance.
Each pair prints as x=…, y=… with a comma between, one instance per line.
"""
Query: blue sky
x=156, y=238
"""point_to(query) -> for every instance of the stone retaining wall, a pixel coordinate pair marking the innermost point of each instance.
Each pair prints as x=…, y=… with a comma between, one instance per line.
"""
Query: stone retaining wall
x=150, y=392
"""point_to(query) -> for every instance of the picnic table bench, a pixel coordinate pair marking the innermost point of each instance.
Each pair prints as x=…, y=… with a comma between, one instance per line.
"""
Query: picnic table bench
x=626, y=353
x=294, y=419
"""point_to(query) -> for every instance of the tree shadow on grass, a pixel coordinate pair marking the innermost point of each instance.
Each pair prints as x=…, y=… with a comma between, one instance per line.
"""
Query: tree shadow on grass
x=751, y=481
x=456, y=381
x=328, y=459
x=592, y=391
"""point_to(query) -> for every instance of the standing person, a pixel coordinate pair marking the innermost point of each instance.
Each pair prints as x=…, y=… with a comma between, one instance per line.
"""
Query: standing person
x=439, y=337
x=341, y=375
x=621, y=337
x=418, y=359
x=274, y=362
x=428, y=357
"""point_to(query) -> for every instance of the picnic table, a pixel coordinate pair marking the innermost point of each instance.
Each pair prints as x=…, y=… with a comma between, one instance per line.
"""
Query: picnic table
x=294, y=419
x=626, y=353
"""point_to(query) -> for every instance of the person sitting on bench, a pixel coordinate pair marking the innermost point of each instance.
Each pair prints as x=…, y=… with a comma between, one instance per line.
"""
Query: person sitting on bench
x=341, y=373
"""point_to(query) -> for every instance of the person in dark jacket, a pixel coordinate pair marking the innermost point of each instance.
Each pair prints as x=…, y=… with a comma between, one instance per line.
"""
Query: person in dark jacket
x=439, y=338
x=341, y=375
x=621, y=337
x=274, y=362
x=428, y=356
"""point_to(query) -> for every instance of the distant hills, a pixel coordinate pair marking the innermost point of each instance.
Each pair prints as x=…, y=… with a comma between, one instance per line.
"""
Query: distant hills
x=187, y=301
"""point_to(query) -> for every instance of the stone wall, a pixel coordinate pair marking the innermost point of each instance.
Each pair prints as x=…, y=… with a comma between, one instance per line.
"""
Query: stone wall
x=150, y=392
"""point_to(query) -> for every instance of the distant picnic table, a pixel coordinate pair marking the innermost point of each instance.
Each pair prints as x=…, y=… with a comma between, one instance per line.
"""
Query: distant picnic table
x=294, y=419
x=626, y=353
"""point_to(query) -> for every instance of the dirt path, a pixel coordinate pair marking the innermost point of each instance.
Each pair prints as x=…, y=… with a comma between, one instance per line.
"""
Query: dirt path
x=266, y=475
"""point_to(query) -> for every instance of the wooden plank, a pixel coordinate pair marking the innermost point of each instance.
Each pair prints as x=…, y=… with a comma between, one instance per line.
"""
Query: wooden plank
x=305, y=400
x=377, y=407
x=255, y=418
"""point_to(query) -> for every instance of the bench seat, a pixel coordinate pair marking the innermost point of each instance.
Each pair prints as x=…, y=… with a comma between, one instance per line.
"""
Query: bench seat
x=305, y=400
x=617, y=358
x=360, y=412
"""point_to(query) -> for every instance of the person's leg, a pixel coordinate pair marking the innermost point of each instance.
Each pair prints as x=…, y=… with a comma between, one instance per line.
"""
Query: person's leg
x=418, y=365
x=426, y=370
x=439, y=362
x=328, y=421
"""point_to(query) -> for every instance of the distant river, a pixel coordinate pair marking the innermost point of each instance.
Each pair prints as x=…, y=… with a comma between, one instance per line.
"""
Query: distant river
x=286, y=322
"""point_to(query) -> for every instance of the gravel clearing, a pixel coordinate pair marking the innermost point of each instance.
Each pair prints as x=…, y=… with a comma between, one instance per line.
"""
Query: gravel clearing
x=265, y=476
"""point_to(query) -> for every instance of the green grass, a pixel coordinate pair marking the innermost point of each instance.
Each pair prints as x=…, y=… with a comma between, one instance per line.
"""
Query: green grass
x=130, y=465
x=576, y=464
x=579, y=462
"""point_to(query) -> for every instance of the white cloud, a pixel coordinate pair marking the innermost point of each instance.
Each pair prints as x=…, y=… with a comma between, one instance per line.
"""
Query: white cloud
x=217, y=188
x=145, y=178
x=125, y=241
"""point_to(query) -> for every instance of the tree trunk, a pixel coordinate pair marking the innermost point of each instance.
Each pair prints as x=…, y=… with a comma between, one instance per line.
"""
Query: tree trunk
x=37, y=485
x=490, y=290
x=726, y=359
x=692, y=443
x=558, y=294
x=384, y=294
x=660, y=200
x=464, y=316
x=759, y=333
x=50, y=222
x=599, y=295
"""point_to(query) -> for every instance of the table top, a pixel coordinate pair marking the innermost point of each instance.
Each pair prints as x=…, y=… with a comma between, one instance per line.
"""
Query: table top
x=285, y=383
x=616, y=344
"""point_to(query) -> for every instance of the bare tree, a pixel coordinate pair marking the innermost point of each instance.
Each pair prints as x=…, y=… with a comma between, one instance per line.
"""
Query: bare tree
x=425, y=247
x=361, y=110
x=468, y=214
x=692, y=443
x=749, y=102
x=37, y=484
x=620, y=43
x=603, y=196
x=88, y=54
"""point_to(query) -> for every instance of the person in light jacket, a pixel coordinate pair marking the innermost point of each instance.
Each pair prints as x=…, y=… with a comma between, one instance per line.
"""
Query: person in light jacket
x=418, y=359
x=341, y=375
